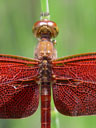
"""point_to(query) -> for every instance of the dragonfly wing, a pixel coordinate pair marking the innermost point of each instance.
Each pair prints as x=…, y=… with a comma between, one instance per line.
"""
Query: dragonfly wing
x=75, y=98
x=19, y=93
x=13, y=68
x=18, y=102
x=74, y=91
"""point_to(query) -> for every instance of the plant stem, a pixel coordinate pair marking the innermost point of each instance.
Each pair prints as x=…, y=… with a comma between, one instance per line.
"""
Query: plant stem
x=44, y=9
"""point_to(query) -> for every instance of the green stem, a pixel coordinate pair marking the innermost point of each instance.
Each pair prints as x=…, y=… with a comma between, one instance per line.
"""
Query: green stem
x=45, y=9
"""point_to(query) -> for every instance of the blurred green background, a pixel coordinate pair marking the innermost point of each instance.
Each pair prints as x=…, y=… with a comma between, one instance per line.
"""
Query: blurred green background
x=77, y=34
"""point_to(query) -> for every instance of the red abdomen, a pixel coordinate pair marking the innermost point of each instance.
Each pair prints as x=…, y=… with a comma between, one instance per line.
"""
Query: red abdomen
x=45, y=105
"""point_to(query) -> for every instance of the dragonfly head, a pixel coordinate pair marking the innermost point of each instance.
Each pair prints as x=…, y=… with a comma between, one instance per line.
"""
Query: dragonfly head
x=45, y=29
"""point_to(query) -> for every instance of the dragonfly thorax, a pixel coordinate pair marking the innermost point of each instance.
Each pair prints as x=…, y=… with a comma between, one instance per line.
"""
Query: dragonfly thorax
x=45, y=48
x=45, y=70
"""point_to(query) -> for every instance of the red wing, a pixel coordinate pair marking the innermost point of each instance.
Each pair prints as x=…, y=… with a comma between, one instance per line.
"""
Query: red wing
x=14, y=68
x=74, y=91
x=19, y=93
x=18, y=100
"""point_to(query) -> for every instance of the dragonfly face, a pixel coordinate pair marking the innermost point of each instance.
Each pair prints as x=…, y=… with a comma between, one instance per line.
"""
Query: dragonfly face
x=45, y=28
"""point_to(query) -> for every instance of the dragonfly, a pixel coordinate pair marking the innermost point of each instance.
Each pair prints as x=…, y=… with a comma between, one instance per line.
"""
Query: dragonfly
x=23, y=81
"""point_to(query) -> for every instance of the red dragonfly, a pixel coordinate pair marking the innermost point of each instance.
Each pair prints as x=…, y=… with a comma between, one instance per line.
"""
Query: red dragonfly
x=72, y=78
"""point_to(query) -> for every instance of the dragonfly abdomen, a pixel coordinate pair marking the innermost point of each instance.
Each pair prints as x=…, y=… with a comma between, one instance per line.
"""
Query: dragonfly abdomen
x=45, y=74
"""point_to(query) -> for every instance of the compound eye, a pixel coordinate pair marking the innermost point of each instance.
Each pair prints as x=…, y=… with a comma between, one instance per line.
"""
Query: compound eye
x=45, y=27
